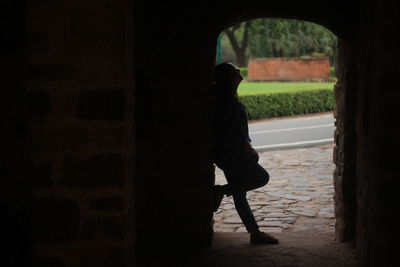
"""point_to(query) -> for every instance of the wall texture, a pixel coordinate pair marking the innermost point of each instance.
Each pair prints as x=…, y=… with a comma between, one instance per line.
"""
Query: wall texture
x=108, y=126
x=174, y=135
x=80, y=132
x=288, y=69
x=377, y=129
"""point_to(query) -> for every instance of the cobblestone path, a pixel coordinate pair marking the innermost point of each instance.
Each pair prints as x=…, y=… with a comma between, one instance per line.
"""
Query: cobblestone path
x=299, y=195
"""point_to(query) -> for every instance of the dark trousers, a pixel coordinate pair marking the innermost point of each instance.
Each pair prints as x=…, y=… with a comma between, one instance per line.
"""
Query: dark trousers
x=243, y=176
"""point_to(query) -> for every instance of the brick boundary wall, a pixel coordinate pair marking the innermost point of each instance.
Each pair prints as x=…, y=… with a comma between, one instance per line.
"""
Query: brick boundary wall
x=288, y=69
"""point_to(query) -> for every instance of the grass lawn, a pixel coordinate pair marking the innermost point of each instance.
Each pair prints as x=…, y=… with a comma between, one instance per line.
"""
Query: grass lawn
x=252, y=88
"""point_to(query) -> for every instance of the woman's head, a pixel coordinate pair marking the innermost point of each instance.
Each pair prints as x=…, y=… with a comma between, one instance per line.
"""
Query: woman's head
x=227, y=77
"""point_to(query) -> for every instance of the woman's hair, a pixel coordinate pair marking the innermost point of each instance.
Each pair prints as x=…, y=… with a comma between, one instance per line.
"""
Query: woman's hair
x=223, y=85
x=221, y=71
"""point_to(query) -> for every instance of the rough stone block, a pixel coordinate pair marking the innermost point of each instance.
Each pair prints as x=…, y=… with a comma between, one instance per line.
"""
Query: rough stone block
x=37, y=41
x=113, y=203
x=99, y=72
x=104, y=256
x=40, y=175
x=47, y=261
x=90, y=228
x=109, y=137
x=63, y=102
x=38, y=103
x=57, y=135
x=335, y=155
x=98, y=171
x=114, y=227
x=54, y=219
x=101, y=104
x=49, y=72
x=46, y=31
x=98, y=33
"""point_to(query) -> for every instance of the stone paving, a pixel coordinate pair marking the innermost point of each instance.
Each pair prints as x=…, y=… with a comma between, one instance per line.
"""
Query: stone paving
x=299, y=195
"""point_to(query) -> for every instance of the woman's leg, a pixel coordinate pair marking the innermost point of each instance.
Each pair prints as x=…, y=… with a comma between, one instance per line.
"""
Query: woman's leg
x=244, y=176
x=243, y=208
x=254, y=176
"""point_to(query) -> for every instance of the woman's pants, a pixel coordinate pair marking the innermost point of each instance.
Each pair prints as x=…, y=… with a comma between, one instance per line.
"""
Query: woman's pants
x=243, y=176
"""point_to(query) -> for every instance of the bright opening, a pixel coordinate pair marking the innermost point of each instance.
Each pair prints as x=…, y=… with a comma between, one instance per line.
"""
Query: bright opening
x=288, y=68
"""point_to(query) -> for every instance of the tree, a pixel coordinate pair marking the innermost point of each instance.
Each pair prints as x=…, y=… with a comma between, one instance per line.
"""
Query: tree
x=280, y=38
x=235, y=33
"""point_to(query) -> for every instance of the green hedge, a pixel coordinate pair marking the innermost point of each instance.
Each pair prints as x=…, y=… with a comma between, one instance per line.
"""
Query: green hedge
x=287, y=104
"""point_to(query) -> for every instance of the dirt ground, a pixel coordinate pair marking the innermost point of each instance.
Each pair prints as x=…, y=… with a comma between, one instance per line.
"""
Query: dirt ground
x=299, y=249
x=296, y=249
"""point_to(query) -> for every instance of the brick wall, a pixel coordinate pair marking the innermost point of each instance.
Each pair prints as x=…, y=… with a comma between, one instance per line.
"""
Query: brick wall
x=288, y=69
x=80, y=126
x=116, y=150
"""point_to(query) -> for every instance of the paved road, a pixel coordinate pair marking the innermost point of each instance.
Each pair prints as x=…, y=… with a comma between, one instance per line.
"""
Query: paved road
x=293, y=132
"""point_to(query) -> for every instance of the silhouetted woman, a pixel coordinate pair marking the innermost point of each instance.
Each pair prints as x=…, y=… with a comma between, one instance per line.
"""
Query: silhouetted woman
x=234, y=153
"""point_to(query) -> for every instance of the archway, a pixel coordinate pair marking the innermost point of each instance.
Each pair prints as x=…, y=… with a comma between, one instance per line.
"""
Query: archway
x=299, y=195
x=174, y=118
x=345, y=196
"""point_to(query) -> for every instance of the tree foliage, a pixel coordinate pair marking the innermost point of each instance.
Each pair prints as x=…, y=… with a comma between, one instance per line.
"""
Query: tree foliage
x=280, y=38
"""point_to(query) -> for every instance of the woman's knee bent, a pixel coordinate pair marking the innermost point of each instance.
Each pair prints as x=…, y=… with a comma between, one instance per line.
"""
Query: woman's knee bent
x=261, y=177
x=264, y=178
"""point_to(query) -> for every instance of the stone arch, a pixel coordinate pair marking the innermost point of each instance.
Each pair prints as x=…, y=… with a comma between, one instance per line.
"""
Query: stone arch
x=188, y=97
x=343, y=176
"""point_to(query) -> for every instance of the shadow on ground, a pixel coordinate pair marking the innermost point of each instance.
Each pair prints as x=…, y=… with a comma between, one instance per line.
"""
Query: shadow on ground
x=296, y=249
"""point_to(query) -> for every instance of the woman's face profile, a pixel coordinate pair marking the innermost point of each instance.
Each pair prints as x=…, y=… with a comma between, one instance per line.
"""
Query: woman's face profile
x=229, y=75
x=233, y=76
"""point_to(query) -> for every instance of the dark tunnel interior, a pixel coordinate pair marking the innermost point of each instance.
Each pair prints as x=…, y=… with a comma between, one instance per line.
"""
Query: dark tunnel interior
x=107, y=131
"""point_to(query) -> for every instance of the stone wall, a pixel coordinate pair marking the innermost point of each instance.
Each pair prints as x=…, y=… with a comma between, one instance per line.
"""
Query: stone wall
x=174, y=116
x=80, y=127
x=345, y=138
x=377, y=130
x=367, y=175
x=13, y=162
x=288, y=69
x=174, y=135
x=102, y=150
